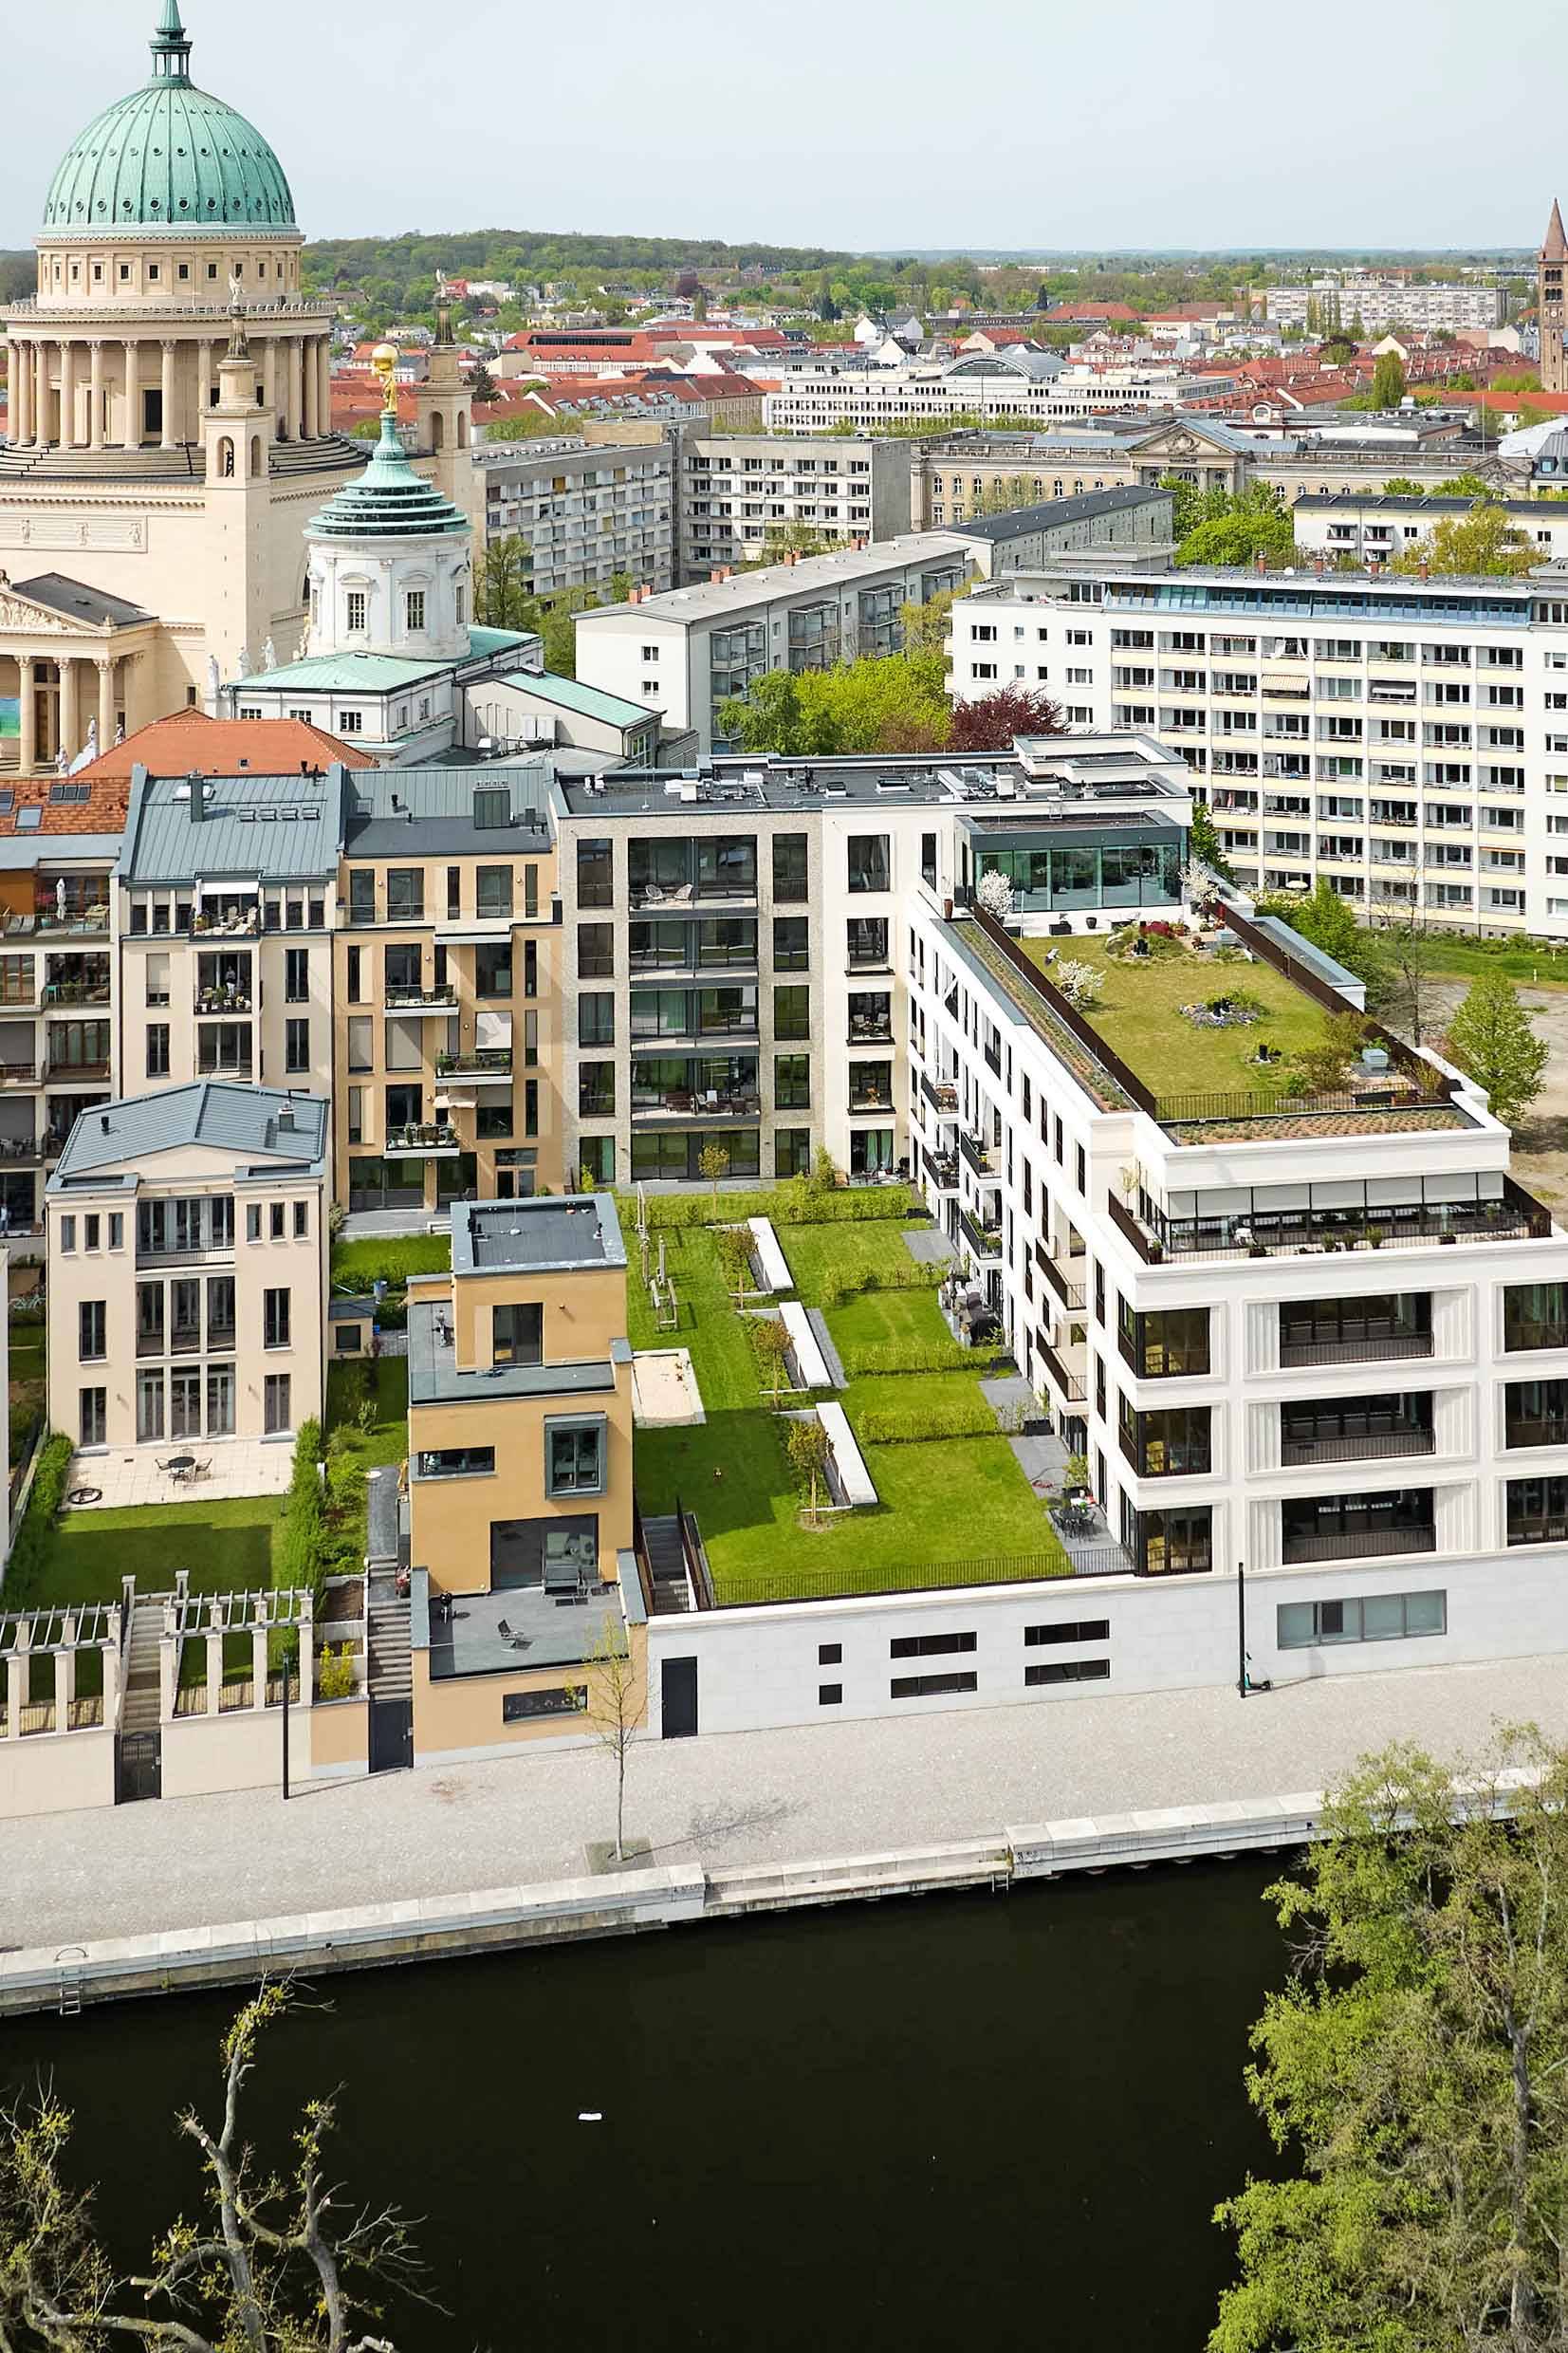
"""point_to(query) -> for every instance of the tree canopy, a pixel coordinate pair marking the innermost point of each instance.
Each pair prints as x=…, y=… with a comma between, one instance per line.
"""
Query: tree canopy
x=1416, y=2070
x=891, y=702
x=990, y=722
x=1236, y=528
x=1388, y=380
x=1482, y=541
x=1493, y=1042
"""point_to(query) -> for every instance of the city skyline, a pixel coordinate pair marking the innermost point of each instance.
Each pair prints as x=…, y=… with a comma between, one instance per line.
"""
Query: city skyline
x=400, y=147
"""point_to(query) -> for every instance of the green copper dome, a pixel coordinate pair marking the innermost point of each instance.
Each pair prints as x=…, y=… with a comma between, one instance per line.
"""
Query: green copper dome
x=388, y=501
x=169, y=158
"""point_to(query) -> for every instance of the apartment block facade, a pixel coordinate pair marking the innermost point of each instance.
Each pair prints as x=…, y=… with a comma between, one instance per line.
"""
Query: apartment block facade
x=1372, y=529
x=735, y=488
x=586, y=512
x=1405, y=738
x=1389, y=303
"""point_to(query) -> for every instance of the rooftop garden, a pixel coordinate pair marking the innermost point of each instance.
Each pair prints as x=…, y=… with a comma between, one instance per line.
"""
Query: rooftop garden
x=952, y=1496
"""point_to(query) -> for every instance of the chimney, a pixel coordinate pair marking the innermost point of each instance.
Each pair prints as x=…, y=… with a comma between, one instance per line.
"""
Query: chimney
x=716, y=575
x=1426, y=571
x=198, y=796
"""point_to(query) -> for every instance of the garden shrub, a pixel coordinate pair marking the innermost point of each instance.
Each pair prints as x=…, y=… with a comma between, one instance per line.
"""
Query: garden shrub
x=908, y=1425
x=797, y=1203
x=299, y=1562
x=335, y=1678
x=909, y=1356
x=29, y=1553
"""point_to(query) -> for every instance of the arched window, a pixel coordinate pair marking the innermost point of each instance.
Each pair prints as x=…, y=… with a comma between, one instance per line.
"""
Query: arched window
x=225, y=458
x=437, y=431
x=255, y=455
x=462, y=432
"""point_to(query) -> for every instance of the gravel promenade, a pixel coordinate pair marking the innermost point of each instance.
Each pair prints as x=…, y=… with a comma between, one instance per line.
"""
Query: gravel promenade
x=756, y=1797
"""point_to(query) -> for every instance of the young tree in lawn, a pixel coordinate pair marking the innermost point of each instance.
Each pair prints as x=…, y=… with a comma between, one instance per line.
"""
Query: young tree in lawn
x=616, y=1695
x=805, y=1441
x=713, y=1163
x=990, y=723
x=1493, y=1041
x=734, y=1248
x=1413, y=2075
x=277, y=2259
x=771, y=1342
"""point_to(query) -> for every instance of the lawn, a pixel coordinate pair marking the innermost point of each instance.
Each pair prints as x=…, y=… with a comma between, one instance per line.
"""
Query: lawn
x=29, y=1381
x=226, y=1543
x=818, y=1252
x=385, y=1379
x=943, y=1501
x=357, y=1265
x=1139, y=1016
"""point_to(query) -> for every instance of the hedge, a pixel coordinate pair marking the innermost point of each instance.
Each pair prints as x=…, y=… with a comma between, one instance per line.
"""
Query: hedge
x=792, y=1204
x=299, y=1560
x=894, y=1425
x=909, y=1356
x=836, y=1289
x=29, y=1553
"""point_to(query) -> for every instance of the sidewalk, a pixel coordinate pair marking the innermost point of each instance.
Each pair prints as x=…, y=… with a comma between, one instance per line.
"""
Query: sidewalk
x=753, y=1797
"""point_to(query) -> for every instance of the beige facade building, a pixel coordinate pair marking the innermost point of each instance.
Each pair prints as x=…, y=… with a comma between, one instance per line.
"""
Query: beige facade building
x=187, y=1246
x=168, y=424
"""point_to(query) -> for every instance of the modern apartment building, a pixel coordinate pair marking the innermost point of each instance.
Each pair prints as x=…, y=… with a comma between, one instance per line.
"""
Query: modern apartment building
x=586, y=512
x=818, y=396
x=187, y=1249
x=1372, y=529
x=682, y=653
x=1389, y=303
x=520, y=1497
x=735, y=940
x=735, y=488
x=1405, y=738
x=1024, y=537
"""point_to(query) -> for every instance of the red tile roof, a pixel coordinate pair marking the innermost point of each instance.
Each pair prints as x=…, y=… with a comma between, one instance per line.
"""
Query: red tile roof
x=104, y=812
x=188, y=739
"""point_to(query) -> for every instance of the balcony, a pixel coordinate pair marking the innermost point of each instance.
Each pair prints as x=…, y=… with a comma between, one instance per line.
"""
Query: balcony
x=430, y=1140
x=94, y=1073
x=214, y=1003
x=1069, y=1385
x=480, y=1065
x=1372, y=1544
x=76, y=992
x=943, y=1169
x=1367, y=1446
x=1535, y=1430
x=442, y=1000
x=681, y=1102
x=977, y=1156
x=941, y=1094
x=985, y=1241
x=1373, y=1348
x=1070, y=1294
x=869, y=1100
x=18, y=1074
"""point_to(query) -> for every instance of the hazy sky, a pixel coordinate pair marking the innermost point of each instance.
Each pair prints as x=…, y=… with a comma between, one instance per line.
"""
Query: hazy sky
x=848, y=124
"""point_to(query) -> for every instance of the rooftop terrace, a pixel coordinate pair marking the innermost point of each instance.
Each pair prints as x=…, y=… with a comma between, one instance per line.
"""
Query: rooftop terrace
x=542, y=1236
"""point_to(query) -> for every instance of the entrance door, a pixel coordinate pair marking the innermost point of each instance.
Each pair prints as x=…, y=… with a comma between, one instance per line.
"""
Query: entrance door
x=391, y=1734
x=138, y=1767
x=678, y=1714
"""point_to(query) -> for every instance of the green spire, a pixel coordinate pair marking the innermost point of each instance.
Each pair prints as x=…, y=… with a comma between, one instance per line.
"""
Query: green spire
x=170, y=46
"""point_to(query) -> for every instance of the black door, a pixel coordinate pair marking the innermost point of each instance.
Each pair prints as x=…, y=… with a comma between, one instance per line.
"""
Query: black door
x=678, y=1715
x=138, y=1767
x=391, y=1734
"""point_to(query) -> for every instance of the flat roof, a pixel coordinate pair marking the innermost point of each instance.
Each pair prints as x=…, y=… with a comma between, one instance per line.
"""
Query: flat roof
x=544, y=1236
x=706, y=598
x=1069, y=769
x=1055, y=514
x=430, y=811
x=1319, y=504
x=435, y=1379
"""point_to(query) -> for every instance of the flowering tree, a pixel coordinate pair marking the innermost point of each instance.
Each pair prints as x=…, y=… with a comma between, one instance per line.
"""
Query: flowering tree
x=990, y=723
x=1078, y=983
x=995, y=894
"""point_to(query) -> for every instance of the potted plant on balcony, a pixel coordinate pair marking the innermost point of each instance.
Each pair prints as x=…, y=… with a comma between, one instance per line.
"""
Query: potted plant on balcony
x=1074, y=1478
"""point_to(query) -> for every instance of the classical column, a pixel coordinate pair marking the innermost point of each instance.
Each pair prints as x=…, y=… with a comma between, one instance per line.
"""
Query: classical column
x=167, y=380
x=204, y=379
x=41, y=395
x=105, y=704
x=132, y=437
x=323, y=362
x=312, y=384
x=11, y=388
x=293, y=399
x=95, y=397
x=19, y=420
x=269, y=380
x=27, y=667
x=67, y=396
x=70, y=715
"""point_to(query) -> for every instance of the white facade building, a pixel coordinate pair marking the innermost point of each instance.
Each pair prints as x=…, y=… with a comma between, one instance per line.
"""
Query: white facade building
x=1389, y=302
x=1406, y=738
x=1372, y=529
x=586, y=510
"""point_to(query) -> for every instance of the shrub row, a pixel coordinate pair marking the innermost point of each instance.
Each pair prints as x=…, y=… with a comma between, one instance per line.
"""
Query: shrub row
x=29, y=1553
x=837, y=1286
x=909, y=1356
x=908, y=1425
x=300, y=1558
x=796, y=1203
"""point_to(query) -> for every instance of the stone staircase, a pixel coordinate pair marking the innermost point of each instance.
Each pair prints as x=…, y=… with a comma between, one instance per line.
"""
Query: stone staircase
x=665, y=1559
x=389, y=1675
x=140, y=1712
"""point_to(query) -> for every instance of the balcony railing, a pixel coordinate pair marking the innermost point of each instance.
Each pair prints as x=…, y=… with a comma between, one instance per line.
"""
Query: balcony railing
x=985, y=1241
x=1372, y=1544
x=76, y=992
x=976, y=1154
x=210, y=1002
x=486, y=1062
x=426, y=1140
x=941, y=1094
x=422, y=1000
x=84, y=1073
x=1379, y=1348
x=944, y=1170
x=18, y=1074
x=1365, y=1446
x=1534, y=1429
x=685, y=1104
x=1520, y=1338
x=1069, y=1386
x=1070, y=1294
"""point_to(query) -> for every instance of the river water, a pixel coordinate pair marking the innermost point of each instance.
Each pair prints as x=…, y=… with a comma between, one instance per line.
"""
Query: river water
x=927, y=2123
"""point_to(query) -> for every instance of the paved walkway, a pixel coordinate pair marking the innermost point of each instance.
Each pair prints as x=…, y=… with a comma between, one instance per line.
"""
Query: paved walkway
x=753, y=1797
x=234, y=1467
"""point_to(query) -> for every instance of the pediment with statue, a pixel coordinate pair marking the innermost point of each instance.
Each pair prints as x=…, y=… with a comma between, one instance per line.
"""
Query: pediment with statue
x=95, y=617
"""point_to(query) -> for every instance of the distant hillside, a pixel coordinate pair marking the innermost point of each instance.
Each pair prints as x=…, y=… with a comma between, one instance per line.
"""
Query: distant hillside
x=18, y=275
x=527, y=255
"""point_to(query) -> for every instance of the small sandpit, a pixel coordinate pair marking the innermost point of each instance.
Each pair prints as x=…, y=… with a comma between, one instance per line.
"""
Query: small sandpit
x=664, y=1389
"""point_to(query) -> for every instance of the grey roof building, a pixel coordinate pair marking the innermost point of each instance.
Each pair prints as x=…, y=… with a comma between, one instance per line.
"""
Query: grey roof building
x=266, y=1130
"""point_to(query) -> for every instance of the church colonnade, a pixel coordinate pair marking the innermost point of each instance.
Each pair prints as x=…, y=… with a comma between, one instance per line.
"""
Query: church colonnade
x=57, y=695
x=90, y=394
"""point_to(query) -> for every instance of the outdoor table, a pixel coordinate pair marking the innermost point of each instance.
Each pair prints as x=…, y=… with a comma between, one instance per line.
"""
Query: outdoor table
x=182, y=1466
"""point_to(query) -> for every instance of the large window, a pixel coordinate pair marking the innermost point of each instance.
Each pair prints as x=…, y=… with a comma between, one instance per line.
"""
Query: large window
x=1358, y=1528
x=791, y=943
x=596, y=1018
x=1351, y=1328
x=870, y=862
x=792, y=1082
x=276, y=1319
x=1168, y=1544
x=574, y=1457
x=1535, y=1315
x=595, y=874
x=1171, y=1444
x=1370, y=1618
x=596, y=951
x=1537, y=1510
x=277, y=1404
x=223, y=1046
x=726, y=866
x=220, y=1400
x=791, y=1014
x=517, y=1333
x=1356, y=1429
x=789, y=867
x=93, y=1418
x=92, y=1329
x=596, y=1090
x=866, y=941
x=1169, y=1346
x=871, y=1152
x=405, y=894
x=1536, y=1412
x=456, y=1462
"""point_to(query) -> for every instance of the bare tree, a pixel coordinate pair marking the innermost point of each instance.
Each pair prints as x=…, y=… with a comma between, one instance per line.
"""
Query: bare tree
x=1408, y=954
x=616, y=1707
x=280, y=2260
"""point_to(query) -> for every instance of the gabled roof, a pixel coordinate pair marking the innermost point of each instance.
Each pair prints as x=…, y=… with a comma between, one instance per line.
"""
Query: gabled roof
x=74, y=601
x=258, y=828
x=188, y=739
x=77, y=806
x=258, y=1124
x=593, y=702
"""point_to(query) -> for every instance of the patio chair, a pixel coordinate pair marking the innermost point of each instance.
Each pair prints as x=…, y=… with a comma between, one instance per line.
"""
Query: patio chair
x=199, y=1470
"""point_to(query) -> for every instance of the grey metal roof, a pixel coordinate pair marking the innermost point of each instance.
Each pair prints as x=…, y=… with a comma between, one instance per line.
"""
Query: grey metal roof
x=276, y=828
x=1055, y=514
x=216, y=1113
x=433, y=1378
x=79, y=603
x=429, y=811
x=1319, y=503
x=538, y=1236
